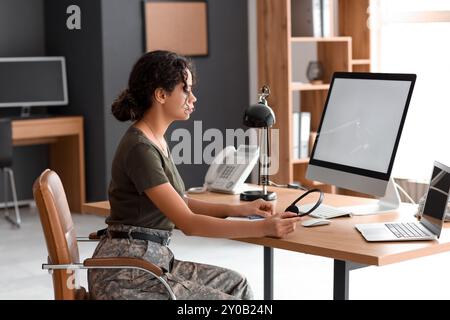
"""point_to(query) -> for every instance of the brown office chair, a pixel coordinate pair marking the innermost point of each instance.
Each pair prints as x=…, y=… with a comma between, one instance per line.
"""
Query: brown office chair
x=62, y=246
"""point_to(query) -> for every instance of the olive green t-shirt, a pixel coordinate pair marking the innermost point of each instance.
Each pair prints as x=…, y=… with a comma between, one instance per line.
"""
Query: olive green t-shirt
x=138, y=165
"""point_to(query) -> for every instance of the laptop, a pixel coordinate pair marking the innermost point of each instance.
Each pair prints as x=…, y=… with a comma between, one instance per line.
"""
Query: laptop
x=432, y=221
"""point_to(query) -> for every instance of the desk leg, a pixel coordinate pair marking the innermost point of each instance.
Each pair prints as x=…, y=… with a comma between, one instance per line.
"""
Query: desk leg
x=341, y=278
x=268, y=273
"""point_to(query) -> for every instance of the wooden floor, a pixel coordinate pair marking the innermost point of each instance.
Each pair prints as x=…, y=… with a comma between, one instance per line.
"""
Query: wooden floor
x=297, y=276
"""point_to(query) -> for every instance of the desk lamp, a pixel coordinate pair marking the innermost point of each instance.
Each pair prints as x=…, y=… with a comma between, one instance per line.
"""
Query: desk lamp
x=261, y=116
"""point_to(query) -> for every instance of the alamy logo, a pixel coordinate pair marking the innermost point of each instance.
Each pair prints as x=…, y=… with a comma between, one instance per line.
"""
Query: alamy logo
x=73, y=22
x=190, y=147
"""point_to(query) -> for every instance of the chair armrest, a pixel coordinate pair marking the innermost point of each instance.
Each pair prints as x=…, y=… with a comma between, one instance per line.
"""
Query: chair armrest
x=94, y=236
x=124, y=262
x=98, y=234
x=115, y=263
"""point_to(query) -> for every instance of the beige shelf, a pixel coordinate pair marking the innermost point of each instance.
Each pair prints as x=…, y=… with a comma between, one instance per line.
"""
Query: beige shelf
x=360, y=61
x=300, y=86
x=300, y=161
x=317, y=184
x=320, y=39
x=346, y=53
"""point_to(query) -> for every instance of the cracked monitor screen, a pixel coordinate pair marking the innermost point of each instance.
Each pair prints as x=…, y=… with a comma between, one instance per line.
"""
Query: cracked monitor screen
x=361, y=123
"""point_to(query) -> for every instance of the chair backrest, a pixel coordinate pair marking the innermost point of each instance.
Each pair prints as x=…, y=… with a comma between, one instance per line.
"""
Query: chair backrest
x=59, y=233
x=6, y=148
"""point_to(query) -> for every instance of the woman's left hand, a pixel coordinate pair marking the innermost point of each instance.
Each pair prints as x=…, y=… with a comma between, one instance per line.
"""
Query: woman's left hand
x=258, y=207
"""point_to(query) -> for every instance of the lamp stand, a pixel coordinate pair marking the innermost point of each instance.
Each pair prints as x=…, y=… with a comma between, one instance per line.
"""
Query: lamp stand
x=264, y=157
x=257, y=194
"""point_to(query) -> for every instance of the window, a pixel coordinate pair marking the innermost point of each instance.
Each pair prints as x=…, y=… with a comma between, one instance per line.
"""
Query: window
x=412, y=36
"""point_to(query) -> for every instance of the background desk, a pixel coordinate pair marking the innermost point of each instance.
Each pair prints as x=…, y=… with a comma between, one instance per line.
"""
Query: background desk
x=338, y=240
x=66, y=139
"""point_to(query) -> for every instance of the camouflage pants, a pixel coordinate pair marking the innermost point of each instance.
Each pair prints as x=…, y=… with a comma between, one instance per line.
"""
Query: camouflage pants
x=188, y=280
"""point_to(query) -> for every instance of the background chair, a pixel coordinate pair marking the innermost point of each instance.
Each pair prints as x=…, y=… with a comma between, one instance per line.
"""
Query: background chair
x=62, y=246
x=6, y=152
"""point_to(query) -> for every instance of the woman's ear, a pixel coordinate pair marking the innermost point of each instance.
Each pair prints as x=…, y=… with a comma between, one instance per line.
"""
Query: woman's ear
x=160, y=95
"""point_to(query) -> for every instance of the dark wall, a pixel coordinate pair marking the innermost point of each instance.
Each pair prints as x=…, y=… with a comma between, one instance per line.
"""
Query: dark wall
x=99, y=59
x=84, y=59
x=122, y=26
x=22, y=34
x=22, y=28
x=223, y=80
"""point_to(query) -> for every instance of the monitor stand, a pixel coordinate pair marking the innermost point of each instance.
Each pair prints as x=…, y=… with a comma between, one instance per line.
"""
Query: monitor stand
x=25, y=112
x=389, y=202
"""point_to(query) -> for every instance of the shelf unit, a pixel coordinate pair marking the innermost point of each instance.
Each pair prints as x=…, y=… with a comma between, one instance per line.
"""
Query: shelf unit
x=350, y=51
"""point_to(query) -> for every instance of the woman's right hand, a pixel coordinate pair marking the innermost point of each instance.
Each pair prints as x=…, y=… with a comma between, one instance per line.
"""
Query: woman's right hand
x=280, y=224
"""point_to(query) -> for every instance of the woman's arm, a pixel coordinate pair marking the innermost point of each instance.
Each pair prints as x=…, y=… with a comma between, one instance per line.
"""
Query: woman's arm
x=218, y=210
x=175, y=208
x=223, y=210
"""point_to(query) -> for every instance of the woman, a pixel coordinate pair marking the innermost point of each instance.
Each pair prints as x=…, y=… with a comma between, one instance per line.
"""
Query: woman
x=147, y=196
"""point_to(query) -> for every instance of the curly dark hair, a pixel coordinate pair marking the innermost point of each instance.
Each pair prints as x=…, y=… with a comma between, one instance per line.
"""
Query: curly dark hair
x=155, y=69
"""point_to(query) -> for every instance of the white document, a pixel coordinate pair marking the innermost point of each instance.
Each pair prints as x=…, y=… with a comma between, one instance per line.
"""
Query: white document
x=305, y=127
x=296, y=135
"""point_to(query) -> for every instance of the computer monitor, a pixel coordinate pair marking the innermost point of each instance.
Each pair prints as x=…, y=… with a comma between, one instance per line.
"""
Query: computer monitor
x=33, y=81
x=436, y=198
x=359, y=133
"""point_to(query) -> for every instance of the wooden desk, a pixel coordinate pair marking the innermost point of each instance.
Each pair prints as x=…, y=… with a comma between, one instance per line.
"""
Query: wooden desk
x=66, y=138
x=338, y=240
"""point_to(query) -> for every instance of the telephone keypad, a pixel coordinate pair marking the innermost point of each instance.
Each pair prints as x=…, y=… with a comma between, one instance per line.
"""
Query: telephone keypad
x=229, y=185
x=226, y=173
x=230, y=169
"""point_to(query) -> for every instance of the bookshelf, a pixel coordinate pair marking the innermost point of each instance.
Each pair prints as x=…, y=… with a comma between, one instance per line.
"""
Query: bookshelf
x=349, y=51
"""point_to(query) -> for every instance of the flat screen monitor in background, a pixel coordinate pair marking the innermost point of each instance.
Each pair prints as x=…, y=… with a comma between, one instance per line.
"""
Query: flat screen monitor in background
x=359, y=133
x=33, y=81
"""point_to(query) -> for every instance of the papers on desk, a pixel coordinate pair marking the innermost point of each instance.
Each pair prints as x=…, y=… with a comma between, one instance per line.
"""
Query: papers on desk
x=249, y=218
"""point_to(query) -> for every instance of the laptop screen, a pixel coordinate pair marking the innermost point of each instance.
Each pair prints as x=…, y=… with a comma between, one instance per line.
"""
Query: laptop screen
x=437, y=197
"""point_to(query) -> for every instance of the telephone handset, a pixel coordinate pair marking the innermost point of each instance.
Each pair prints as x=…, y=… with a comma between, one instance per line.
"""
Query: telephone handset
x=229, y=169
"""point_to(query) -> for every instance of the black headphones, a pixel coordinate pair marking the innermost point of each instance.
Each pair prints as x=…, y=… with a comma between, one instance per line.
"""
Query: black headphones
x=293, y=208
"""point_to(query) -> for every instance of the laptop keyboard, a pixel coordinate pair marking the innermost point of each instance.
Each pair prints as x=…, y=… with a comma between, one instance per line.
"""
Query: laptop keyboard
x=407, y=230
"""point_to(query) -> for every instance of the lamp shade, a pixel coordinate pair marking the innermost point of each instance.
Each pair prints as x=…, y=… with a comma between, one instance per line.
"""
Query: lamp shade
x=259, y=115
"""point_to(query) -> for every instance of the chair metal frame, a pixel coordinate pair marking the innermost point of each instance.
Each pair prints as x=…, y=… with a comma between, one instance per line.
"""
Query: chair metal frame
x=5, y=166
x=8, y=171
x=82, y=266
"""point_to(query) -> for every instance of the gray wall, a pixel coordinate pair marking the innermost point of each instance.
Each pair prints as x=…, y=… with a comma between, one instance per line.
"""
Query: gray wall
x=84, y=58
x=222, y=90
x=223, y=81
x=21, y=28
x=223, y=76
x=122, y=27
x=99, y=59
x=22, y=34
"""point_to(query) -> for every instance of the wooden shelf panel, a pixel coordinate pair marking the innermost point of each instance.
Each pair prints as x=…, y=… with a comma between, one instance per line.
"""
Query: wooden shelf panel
x=360, y=61
x=300, y=86
x=321, y=39
x=300, y=161
x=353, y=17
x=317, y=184
x=345, y=53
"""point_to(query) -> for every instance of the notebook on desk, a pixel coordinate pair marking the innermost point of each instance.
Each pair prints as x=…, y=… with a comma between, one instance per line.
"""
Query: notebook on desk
x=432, y=221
